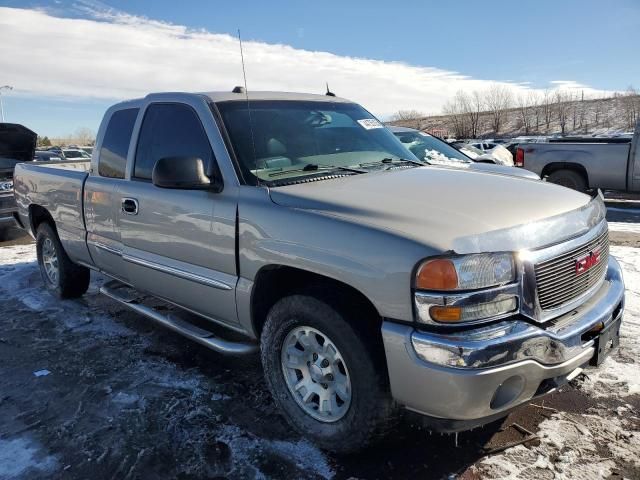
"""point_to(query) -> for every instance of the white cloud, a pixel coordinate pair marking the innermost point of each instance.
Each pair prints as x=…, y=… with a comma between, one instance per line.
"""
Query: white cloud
x=116, y=56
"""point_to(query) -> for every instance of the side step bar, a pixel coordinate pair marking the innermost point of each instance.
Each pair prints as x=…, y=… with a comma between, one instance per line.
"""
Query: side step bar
x=119, y=292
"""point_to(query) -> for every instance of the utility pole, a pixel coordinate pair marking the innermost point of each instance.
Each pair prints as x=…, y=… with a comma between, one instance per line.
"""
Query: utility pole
x=3, y=87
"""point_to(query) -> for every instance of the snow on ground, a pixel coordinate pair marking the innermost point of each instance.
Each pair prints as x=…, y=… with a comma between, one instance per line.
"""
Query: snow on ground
x=572, y=444
x=21, y=457
x=624, y=227
x=620, y=373
x=141, y=390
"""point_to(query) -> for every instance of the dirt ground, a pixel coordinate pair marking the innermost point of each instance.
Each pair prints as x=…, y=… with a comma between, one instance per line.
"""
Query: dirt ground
x=89, y=389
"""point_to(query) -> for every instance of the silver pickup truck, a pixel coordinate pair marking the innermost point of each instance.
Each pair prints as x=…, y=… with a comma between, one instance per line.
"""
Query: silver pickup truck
x=585, y=163
x=299, y=226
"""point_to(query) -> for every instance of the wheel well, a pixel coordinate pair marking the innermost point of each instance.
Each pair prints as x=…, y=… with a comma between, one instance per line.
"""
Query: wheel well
x=555, y=166
x=38, y=215
x=275, y=282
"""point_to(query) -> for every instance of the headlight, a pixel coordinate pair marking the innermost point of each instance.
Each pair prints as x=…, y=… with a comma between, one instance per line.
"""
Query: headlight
x=6, y=186
x=468, y=272
x=466, y=289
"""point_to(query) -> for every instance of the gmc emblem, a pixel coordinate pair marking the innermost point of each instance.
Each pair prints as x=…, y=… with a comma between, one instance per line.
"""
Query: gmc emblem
x=587, y=261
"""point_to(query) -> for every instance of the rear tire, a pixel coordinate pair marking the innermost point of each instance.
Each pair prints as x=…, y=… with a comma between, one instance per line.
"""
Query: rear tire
x=361, y=407
x=61, y=276
x=569, y=179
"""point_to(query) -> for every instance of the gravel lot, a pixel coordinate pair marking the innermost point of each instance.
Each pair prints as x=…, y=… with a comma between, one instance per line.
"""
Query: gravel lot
x=90, y=390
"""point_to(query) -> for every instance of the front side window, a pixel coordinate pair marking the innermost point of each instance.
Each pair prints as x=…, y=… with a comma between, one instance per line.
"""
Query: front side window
x=294, y=139
x=170, y=130
x=431, y=149
x=115, y=145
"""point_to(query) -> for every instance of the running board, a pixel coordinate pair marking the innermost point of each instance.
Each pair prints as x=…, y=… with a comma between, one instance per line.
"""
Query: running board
x=122, y=294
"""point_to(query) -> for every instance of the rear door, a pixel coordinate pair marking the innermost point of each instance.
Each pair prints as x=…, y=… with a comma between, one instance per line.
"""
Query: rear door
x=178, y=244
x=100, y=201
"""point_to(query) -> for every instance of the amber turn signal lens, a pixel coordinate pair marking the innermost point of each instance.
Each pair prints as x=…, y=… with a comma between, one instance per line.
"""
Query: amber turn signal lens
x=445, y=314
x=437, y=274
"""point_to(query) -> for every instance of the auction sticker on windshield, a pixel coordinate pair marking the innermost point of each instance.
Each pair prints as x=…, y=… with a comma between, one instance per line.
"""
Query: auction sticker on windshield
x=370, y=123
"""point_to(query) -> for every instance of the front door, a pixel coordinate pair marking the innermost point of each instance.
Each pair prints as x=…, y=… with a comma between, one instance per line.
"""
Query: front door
x=178, y=244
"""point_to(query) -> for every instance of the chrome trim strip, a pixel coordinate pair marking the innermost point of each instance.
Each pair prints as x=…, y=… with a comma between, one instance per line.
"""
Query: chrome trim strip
x=106, y=248
x=177, y=272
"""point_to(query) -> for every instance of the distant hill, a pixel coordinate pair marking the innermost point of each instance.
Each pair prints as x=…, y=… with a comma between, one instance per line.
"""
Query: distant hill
x=594, y=116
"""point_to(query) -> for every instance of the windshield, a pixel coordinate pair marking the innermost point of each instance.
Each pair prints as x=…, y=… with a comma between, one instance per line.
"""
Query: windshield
x=292, y=139
x=431, y=149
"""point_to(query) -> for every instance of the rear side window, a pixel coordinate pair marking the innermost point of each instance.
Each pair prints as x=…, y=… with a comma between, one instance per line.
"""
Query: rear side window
x=170, y=130
x=113, y=153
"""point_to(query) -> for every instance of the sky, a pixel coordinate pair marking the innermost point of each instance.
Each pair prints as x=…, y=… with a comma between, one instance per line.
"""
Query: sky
x=68, y=60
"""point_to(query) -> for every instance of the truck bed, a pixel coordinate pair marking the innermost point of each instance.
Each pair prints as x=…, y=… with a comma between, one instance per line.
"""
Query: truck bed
x=56, y=186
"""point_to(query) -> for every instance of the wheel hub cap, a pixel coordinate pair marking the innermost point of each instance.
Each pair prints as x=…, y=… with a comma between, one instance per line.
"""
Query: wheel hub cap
x=316, y=374
x=50, y=260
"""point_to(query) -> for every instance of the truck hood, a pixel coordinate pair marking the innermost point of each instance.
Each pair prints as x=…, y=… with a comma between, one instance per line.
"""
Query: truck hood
x=449, y=209
x=492, y=168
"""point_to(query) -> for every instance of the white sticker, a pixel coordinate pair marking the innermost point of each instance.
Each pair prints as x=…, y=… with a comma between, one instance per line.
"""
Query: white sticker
x=370, y=123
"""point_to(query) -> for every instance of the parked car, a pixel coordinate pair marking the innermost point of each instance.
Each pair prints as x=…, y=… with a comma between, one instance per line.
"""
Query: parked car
x=46, y=156
x=368, y=281
x=17, y=144
x=434, y=151
x=484, y=146
x=73, y=154
x=57, y=151
x=585, y=163
x=88, y=150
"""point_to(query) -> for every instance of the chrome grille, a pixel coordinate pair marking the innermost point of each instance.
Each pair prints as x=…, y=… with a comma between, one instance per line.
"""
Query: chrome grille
x=556, y=278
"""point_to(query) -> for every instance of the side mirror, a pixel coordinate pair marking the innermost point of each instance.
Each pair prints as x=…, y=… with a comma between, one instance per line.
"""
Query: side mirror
x=186, y=173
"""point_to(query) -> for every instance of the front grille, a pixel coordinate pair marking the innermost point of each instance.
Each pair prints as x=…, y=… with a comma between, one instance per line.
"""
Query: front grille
x=557, y=280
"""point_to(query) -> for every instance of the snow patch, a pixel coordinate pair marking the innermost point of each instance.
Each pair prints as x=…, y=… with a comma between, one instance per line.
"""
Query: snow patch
x=20, y=280
x=619, y=375
x=246, y=450
x=20, y=456
x=624, y=227
x=572, y=446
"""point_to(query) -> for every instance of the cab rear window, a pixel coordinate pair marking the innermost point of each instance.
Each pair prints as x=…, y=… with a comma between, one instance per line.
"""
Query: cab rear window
x=113, y=152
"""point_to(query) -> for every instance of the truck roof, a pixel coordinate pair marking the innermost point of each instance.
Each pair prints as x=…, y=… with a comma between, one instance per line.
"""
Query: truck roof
x=306, y=97
x=231, y=96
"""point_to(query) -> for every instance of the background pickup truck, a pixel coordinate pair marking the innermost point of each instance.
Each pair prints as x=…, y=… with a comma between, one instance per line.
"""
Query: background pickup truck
x=585, y=163
x=370, y=281
x=17, y=144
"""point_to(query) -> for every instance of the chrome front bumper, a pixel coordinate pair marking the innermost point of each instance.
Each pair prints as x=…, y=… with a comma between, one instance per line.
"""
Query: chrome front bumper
x=478, y=373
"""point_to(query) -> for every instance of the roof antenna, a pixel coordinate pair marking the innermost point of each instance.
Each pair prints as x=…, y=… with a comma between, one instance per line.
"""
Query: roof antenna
x=246, y=96
x=329, y=92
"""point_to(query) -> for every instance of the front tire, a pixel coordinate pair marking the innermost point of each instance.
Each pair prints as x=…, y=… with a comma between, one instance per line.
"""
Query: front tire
x=61, y=276
x=326, y=377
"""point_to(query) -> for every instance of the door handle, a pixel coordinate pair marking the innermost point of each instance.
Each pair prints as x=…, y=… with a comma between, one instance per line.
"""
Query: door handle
x=130, y=206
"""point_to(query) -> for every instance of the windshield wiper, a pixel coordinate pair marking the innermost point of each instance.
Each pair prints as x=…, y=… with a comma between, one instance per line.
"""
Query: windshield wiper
x=391, y=160
x=313, y=167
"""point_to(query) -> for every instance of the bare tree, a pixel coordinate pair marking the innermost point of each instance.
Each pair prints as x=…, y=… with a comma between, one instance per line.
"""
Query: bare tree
x=526, y=109
x=85, y=136
x=408, y=118
x=631, y=107
x=454, y=109
x=470, y=106
x=598, y=108
x=561, y=106
x=547, y=107
x=498, y=100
